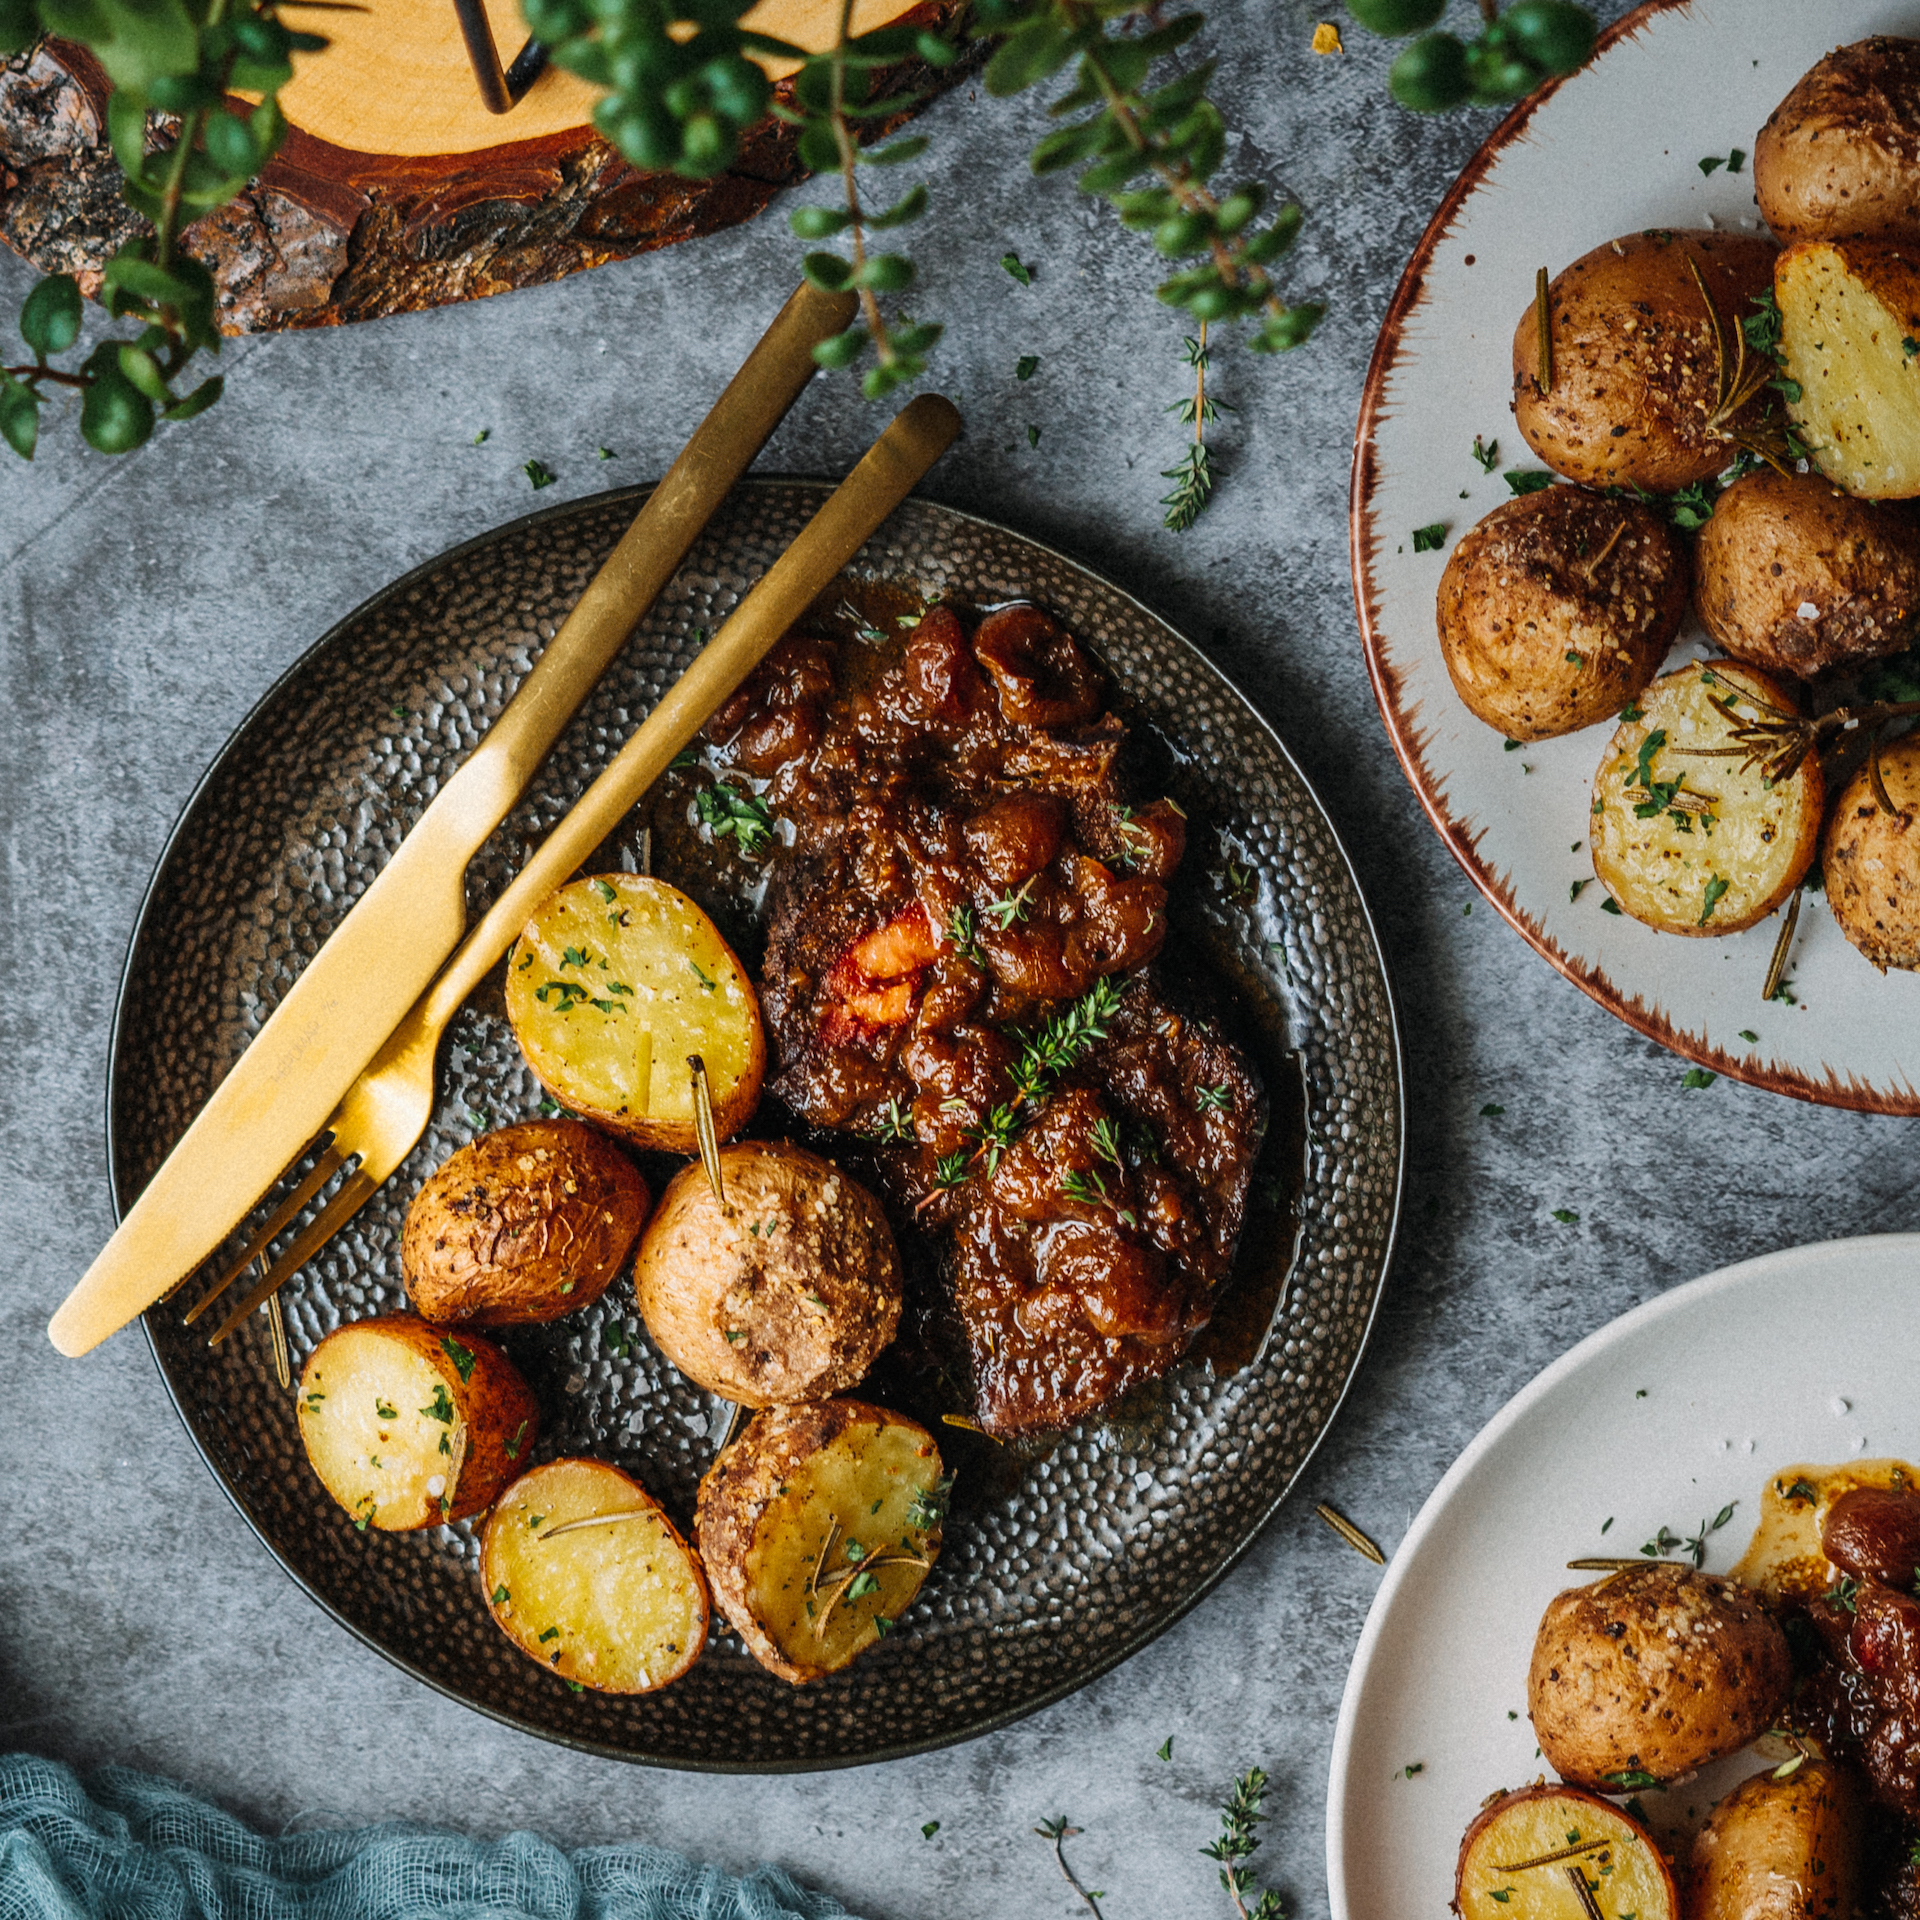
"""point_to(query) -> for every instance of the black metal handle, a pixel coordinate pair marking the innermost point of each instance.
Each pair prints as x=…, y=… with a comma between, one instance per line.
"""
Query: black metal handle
x=500, y=91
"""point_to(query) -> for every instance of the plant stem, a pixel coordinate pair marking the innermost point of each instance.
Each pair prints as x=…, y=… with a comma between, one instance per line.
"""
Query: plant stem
x=1060, y=1833
x=32, y=375
x=1200, y=389
x=849, y=159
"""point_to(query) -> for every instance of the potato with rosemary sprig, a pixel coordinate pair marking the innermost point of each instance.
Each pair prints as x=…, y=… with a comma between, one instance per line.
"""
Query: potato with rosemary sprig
x=1558, y=608
x=817, y=1527
x=788, y=1289
x=1871, y=861
x=585, y=1574
x=615, y=981
x=1690, y=832
x=412, y=1426
x=1644, y=378
x=1519, y=1855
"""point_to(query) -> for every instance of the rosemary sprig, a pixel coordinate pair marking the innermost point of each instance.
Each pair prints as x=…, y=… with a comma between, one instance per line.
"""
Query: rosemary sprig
x=1237, y=1844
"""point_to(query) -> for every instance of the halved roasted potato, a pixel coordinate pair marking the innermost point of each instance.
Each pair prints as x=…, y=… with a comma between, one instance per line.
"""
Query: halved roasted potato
x=817, y=1527
x=1850, y=341
x=1779, y=1849
x=614, y=983
x=788, y=1292
x=1686, y=836
x=523, y=1224
x=1871, y=861
x=1839, y=157
x=1796, y=576
x=409, y=1426
x=585, y=1573
x=1558, y=607
x=1638, y=387
x=1521, y=1856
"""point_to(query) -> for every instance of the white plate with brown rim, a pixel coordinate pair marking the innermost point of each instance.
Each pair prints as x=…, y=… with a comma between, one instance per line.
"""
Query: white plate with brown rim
x=1683, y=1407
x=1614, y=149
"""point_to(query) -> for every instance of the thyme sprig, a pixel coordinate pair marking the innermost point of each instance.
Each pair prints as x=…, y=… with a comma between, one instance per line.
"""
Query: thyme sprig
x=1243, y=1812
x=1064, y=1039
x=1059, y=1832
x=1192, y=474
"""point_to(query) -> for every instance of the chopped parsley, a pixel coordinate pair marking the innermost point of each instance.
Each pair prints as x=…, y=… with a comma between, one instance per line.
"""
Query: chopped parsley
x=1485, y=452
x=540, y=474
x=1491, y=1111
x=1610, y=906
x=616, y=1339
x=501, y=1596
x=1033, y=436
x=1018, y=268
x=726, y=809
x=706, y=979
x=1164, y=1751
x=441, y=1408
x=931, y=1827
x=1717, y=890
x=1749, y=1036
x=462, y=1357
x=1528, y=480
x=385, y=1411
x=1566, y=1216
x=1697, y=1077
x=928, y=1507
x=1430, y=539
x=513, y=1445
x=862, y=1584
x=552, y=1633
x=1026, y=366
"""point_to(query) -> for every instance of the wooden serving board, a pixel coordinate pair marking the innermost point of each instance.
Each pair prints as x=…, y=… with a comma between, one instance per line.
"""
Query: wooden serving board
x=396, y=188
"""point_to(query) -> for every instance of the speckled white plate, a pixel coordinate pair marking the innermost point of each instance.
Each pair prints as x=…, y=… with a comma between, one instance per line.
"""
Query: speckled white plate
x=1660, y=1419
x=1612, y=150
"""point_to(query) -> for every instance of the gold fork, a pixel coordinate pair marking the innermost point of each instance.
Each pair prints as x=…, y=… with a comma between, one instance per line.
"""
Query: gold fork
x=383, y=1114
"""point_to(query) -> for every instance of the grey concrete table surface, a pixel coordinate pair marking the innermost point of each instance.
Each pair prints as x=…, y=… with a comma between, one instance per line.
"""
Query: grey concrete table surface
x=149, y=601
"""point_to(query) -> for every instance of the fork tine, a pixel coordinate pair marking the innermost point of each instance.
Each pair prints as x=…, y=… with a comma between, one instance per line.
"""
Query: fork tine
x=324, y=1169
x=354, y=1194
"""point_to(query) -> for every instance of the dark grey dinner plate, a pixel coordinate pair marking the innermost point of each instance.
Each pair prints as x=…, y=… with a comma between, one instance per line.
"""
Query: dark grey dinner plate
x=1060, y=1559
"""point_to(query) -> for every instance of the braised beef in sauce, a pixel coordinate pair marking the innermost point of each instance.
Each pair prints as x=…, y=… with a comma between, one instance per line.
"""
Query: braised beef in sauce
x=963, y=967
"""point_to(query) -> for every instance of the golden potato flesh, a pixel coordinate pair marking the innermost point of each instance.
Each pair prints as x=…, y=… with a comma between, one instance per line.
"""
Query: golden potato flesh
x=1698, y=842
x=1795, y=576
x=1652, y=1672
x=614, y=983
x=1871, y=860
x=585, y=1574
x=816, y=1528
x=1559, y=607
x=1519, y=1856
x=1637, y=385
x=1850, y=340
x=1779, y=1849
x=789, y=1292
x=1839, y=157
x=410, y=1426
x=520, y=1225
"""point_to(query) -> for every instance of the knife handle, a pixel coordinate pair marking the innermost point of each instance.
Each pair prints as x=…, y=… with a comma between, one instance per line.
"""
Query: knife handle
x=889, y=471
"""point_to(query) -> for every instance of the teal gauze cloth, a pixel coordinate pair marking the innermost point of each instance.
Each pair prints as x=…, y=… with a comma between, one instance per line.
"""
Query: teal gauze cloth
x=127, y=1846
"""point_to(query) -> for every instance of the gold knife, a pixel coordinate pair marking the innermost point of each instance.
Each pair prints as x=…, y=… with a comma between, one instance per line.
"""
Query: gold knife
x=358, y=988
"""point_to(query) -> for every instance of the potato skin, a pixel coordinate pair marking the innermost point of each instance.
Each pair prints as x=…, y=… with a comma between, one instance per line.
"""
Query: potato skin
x=1654, y=1670
x=1779, y=1849
x=521, y=1225
x=1840, y=155
x=1634, y=371
x=1780, y=543
x=1871, y=860
x=1558, y=607
x=803, y=1272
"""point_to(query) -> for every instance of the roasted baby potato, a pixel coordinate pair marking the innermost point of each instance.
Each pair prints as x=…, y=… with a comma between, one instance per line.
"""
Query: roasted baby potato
x=1518, y=1857
x=1849, y=310
x=1695, y=844
x=817, y=1527
x=1796, y=576
x=1637, y=390
x=1558, y=608
x=1840, y=155
x=585, y=1574
x=616, y=980
x=524, y=1224
x=1652, y=1672
x=1871, y=860
x=1779, y=1849
x=789, y=1292
x=410, y=1426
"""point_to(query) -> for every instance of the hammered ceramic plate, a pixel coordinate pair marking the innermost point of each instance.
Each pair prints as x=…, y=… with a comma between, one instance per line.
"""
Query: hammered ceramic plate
x=1613, y=150
x=1673, y=1411
x=1058, y=1562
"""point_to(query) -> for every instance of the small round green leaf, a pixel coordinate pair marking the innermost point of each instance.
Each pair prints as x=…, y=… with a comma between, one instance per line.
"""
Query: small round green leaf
x=818, y=223
x=1555, y=36
x=50, y=319
x=840, y=349
x=19, y=416
x=1396, y=17
x=827, y=271
x=1431, y=75
x=231, y=144
x=115, y=416
x=886, y=273
x=143, y=370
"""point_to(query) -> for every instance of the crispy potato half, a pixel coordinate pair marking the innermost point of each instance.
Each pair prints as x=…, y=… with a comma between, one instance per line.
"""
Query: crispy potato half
x=1652, y=1672
x=1559, y=607
x=1783, y=1849
x=788, y=1292
x=1796, y=576
x=1850, y=340
x=1521, y=1855
x=1840, y=155
x=1871, y=860
x=585, y=1574
x=817, y=1527
x=1637, y=385
x=614, y=982
x=1685, y=837
x=523, y=1224
x=410, y=1426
